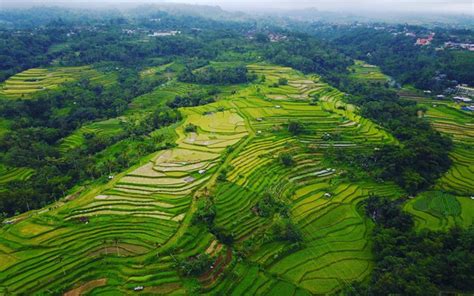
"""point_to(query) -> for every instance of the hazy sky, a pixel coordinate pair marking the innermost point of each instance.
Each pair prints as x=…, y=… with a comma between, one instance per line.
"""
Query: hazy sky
x=461, y=6
x=387, y=6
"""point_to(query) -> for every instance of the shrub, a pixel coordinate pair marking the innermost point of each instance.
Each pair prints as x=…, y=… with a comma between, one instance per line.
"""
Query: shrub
x=282, y=81
x=295, y=127
x=222, y=175
x=286, y=159
x=268, y=205
x=205, y=213
x=190, y=128
x=193, y=266
x=284, y=230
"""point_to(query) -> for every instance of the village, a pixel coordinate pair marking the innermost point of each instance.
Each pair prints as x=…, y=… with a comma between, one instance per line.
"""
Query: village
x=462, y=95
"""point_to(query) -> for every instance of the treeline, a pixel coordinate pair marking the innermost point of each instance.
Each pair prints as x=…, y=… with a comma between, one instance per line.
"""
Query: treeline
x=212, y=75
x=306, y=54
x=415, y=263
x=21, y=50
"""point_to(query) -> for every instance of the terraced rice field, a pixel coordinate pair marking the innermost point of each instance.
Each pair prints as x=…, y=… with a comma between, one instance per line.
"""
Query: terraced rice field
x=28, y=82
x=366, y=72
x=106, y=128
x=459, y=180
x=133, y=231
x=14, y=174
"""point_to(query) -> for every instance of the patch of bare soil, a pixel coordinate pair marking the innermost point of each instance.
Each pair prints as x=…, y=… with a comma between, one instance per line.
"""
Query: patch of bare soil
x=86, y=287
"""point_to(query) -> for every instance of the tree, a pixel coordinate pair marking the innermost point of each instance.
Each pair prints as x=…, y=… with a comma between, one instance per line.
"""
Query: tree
x=282, y=81
x=286, y=159
x=190, y=128
x=295, y=127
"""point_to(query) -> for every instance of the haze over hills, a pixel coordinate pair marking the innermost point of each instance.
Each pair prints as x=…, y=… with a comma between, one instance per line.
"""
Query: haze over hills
x=425, y=12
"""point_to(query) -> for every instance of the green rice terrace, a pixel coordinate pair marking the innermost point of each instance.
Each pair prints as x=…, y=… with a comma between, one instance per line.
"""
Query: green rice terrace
x=146, y=223
x=26, y=83
x=366, y=72
x=452, y=202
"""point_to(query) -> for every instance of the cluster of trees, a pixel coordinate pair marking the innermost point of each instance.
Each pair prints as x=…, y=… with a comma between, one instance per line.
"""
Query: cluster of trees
x=399, y=57
x=415, y=263
x=22, y=50
x=267, y=206
x=194, y=266
x=422, y=156
x=191, y=99
x=306, y=54
x=212, y=75
x=205, y=215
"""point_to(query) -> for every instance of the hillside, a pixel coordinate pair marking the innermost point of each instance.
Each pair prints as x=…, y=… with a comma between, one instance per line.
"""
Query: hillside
x=142, y=226
x=177, y=149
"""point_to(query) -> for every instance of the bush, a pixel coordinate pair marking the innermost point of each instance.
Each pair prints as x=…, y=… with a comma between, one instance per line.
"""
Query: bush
x=286, y=159
x=194, y=266
x=282, y=81
x=295, y=127
x=205, y=213
x=268, y=205
x=190, y=128
x=222, y=175
x=284, y=230
x=387, y=213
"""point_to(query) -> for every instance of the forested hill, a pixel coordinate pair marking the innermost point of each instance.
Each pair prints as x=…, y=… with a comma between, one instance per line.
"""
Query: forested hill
x=157, y=152
x=393, y=47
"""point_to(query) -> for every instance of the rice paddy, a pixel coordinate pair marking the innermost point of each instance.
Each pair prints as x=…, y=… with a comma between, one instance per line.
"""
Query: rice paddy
x=134, y=230
x=458, y=181
x=25, y=84
x=8, y=174
x=105, y=128
x=366, y=72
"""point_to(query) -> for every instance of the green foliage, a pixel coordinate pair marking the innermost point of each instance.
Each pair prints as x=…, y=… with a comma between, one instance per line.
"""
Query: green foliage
x=295, y=127
x=32, y=140
x=190, y=128
x=190, y=100
x=285, y=230
x=221, y=235
x=410, y=263
x=387, y=213
x=222, y=175
x=194, y=266
x=286, y=159
x=282, y=81
x=205, y=213
x=408, y=64
x=211, y=75
x=267, y=206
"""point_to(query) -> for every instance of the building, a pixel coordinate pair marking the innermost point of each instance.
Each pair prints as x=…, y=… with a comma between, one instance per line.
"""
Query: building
x=164, y=34
x=464, y=90
x=425, y=41
x=462, y=99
